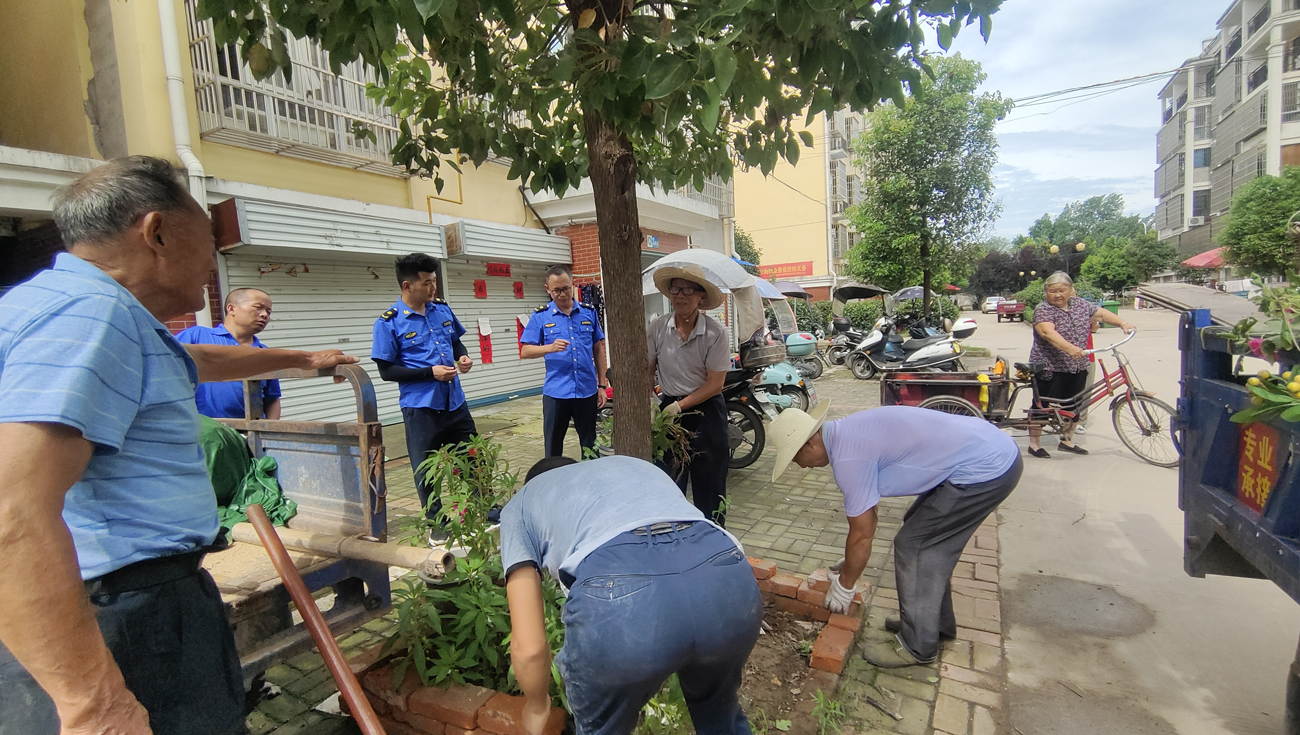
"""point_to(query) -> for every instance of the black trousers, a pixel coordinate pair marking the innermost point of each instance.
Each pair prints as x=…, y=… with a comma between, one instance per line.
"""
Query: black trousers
x=175, y=649
x=706, y=470
x=556, y=413
x=427, y=431
x=927, y=548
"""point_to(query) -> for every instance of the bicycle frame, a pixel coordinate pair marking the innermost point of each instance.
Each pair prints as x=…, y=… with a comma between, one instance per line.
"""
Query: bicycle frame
x=1110, y=383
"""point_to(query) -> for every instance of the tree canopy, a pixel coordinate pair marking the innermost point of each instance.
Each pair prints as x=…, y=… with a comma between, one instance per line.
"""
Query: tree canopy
x=664, y=92
x=927, y=184
x=1255, y=233
x=747, y=251
x=1098, y=218
x=1121, y=263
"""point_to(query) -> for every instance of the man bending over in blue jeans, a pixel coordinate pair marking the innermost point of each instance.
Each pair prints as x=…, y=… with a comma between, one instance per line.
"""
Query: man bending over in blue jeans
x=654, y=589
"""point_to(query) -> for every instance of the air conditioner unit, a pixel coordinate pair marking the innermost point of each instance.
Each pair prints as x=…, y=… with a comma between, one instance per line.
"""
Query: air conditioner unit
x=1195, y=221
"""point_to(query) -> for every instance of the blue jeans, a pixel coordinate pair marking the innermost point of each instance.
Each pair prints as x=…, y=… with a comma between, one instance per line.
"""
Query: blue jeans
x=644, y=607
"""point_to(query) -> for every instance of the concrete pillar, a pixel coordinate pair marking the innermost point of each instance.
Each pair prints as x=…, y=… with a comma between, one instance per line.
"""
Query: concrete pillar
x=1273, y=135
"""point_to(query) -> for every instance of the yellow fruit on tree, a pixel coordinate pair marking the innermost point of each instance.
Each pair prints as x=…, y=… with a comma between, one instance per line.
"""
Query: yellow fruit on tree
x=1293, y=387
x=1264, y=375
x=1256, y=401
x=1286, y=375
x=1253, y=382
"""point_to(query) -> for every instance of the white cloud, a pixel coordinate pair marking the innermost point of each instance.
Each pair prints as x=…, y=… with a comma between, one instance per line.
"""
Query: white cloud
x=1095, y=147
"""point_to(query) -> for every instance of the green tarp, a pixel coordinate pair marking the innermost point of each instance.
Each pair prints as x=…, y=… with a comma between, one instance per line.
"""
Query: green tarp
x=238, y=480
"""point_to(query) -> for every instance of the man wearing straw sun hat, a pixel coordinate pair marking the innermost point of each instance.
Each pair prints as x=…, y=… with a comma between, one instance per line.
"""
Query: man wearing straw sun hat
x=960, y=467
x=691, y=354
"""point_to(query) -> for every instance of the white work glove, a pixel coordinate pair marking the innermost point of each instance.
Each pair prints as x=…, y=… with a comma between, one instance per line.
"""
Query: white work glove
x=673, y=408
x=838, y=598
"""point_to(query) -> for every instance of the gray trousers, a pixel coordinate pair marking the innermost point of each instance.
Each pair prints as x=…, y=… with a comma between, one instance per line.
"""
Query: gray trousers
x=927, y=548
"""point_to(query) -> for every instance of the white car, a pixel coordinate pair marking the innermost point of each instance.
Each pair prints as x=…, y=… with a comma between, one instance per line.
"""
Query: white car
x=991, y=304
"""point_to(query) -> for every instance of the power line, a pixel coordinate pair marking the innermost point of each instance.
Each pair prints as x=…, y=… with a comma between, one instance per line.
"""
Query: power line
x=782, y=227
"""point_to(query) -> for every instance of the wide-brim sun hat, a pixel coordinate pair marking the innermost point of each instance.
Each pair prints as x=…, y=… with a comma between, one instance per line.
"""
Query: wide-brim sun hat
x=789, y=431
x=713, y=297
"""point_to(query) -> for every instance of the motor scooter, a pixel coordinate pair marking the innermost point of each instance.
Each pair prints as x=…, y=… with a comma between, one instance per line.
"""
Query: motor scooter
x=923, y=348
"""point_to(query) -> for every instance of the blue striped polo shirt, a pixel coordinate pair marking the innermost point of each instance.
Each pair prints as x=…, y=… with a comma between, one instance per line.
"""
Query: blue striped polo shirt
x=78, y=349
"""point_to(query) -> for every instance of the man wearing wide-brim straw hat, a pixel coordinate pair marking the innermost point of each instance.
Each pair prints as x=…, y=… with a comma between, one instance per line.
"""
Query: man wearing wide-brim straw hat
x=960, y=467
x=691, y=354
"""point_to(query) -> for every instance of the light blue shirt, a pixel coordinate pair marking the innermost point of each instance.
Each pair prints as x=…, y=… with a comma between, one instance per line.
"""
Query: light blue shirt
x=570, y=373
x=904, y=450
x=78, y=349
x=405, y=337
x=563, y=515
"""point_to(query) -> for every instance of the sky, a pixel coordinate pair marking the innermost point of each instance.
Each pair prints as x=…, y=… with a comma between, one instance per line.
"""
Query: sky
x=1096, y=147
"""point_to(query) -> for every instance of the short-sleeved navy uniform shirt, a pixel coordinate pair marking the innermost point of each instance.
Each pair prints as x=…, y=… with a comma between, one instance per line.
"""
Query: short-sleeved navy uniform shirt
x=405, y=337
x=224, y=400
x=572, y=372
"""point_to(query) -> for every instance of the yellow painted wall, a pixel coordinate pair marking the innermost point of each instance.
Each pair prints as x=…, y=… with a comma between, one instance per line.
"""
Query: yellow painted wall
x=283, y=172
x=787, y=226
x=44, y=69
x=485, y=193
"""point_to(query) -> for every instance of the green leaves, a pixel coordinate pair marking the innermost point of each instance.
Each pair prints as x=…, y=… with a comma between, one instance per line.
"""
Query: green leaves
x=428, y=8
x=666, y=75
x=724, y=67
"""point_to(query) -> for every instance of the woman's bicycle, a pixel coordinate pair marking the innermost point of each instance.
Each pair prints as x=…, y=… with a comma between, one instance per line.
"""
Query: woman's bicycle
x=1142, y=421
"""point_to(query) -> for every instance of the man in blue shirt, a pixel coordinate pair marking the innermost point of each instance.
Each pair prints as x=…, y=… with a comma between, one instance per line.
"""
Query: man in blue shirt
x=654, y=589
x=961, y=468
x=569, y=336
x=107, y=621
x=417, y=345
x=248, y=311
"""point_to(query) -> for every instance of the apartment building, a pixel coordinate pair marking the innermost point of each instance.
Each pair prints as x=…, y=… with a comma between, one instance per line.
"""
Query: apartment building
x=302, y=208
x=1228, y=115
x=797, y=215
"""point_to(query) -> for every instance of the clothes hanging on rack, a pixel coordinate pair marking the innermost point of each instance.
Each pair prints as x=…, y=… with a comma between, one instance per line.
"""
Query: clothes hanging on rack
x=594, y=296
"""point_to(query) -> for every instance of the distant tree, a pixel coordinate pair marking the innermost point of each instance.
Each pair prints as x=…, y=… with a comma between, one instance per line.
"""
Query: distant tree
x=1121, y=263
x=927, y=184
x=995, y=243
x=1255, y=233
x=1147, y=256
x=747, y=251
x=996, y=273
x=1196, y=276
x=1098, y=218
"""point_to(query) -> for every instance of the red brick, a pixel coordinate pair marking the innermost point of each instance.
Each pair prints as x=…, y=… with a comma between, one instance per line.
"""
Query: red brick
x=820, y=581
x=454, y=705
x=379, y=682
x=393, y=727
x=824, y=680
x=366, y=658
x=504, y=715
x=453, y=730
x=764, y=585
x=845, y=622
x=831, y=649
x=762, y=569
x=786, y=585
x=426, y=725
x=769, y=599
x=810, y=596
x=802, y=609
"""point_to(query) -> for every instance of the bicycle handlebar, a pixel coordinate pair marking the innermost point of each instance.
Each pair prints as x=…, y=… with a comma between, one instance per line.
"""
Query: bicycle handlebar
x=1131, y=335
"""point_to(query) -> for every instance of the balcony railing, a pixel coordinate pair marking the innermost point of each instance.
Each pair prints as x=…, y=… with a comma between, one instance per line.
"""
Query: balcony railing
x=1291, y=102
x=1203, y=90
x=1182, y=100
x=1256, y=78
x=1259, y=19
x=717, y=192
x=1234, y=45
x=314, y=116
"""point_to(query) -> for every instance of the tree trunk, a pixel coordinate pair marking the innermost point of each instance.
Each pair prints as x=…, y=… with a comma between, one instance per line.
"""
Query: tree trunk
x=925, y=277
x=613, y=185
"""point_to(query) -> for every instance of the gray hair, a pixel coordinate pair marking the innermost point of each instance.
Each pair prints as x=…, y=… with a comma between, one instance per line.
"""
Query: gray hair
x=107, y=201
x=1059, y=277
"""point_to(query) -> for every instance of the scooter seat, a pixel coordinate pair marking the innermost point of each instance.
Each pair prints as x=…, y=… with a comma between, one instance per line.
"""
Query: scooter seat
x=1033, y=368
x=914, y=344
x=736, y=376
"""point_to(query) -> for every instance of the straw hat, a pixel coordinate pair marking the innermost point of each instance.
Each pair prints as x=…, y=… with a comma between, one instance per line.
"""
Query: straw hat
x=664, y=278
x=791, y=430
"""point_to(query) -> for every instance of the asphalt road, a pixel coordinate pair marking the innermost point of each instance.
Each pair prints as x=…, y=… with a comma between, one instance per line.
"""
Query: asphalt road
x=1105, y=632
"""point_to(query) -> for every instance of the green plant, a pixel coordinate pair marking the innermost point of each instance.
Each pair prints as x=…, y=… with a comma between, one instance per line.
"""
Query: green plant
x=665, y=713
x=829, y=713
x=863, y=314
x=944, y=307
x=761, y=725
x=805, y=648
x=471, y=479
x=809, y=317
x=1032, y=295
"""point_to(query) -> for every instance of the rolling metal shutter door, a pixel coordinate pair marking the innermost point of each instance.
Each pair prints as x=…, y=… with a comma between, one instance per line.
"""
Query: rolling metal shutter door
x=330, y=303
x=508, y=376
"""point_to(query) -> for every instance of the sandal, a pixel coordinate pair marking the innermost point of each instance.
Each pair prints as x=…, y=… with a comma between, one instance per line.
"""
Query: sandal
x=1040, y=453
x=1075, y=449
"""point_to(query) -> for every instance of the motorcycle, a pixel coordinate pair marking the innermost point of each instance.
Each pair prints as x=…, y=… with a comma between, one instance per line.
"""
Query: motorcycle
x=801, y=347
x=786, y=387
x=924, y=348
x=844, y=338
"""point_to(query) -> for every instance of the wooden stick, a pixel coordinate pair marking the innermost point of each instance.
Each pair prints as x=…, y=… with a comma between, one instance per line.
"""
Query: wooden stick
x=434, y=563
x=315, y=622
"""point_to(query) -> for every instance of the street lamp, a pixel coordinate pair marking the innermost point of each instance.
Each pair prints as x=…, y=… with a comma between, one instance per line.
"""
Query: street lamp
x=1078, y=246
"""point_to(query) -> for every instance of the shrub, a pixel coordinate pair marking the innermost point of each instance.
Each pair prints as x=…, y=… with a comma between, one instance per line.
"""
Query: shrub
x=812, y=315
x=1031, y=296
x=944, y=307
x=864, y=314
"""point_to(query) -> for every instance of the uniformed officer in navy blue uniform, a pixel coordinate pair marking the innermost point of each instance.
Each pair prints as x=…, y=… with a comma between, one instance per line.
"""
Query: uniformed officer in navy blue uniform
x=569, y=336
x=417, y=345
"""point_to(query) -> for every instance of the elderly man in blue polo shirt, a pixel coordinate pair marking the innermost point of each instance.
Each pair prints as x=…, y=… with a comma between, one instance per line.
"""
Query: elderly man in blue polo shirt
x=248, y=311
x=107, y=621
x=569, y=336
x=416, y=343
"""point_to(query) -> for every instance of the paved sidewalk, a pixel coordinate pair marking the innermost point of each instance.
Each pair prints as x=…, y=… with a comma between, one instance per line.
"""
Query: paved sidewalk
x=798, y=523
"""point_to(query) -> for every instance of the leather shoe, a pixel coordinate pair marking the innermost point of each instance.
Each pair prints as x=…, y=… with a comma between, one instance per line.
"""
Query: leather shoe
x=1072, y=449
x=891, y=654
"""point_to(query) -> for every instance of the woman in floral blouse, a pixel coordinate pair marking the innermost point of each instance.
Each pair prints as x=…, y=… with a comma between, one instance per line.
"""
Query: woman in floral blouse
x=1062, y=323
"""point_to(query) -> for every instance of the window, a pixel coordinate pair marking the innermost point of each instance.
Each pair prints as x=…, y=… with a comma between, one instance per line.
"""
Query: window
x=1201, y=158
x=1201, y=203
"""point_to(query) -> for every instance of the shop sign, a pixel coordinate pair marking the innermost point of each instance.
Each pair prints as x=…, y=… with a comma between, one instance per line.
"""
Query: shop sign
x=498, y=269
x=778, y=271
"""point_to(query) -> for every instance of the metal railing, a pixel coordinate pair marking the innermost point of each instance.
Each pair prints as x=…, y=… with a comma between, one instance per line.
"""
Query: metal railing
x=1291, y=102
x=1201, y=124
x=1233, y=46
x=1203, y=90
x=717, y=192
x=314, y=115
x=1182, y=100
x=1259, y=19
x=1257, y=77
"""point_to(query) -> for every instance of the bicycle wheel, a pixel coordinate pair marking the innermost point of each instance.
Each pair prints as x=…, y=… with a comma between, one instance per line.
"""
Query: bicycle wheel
x=1142, y=423
x=953, y=405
